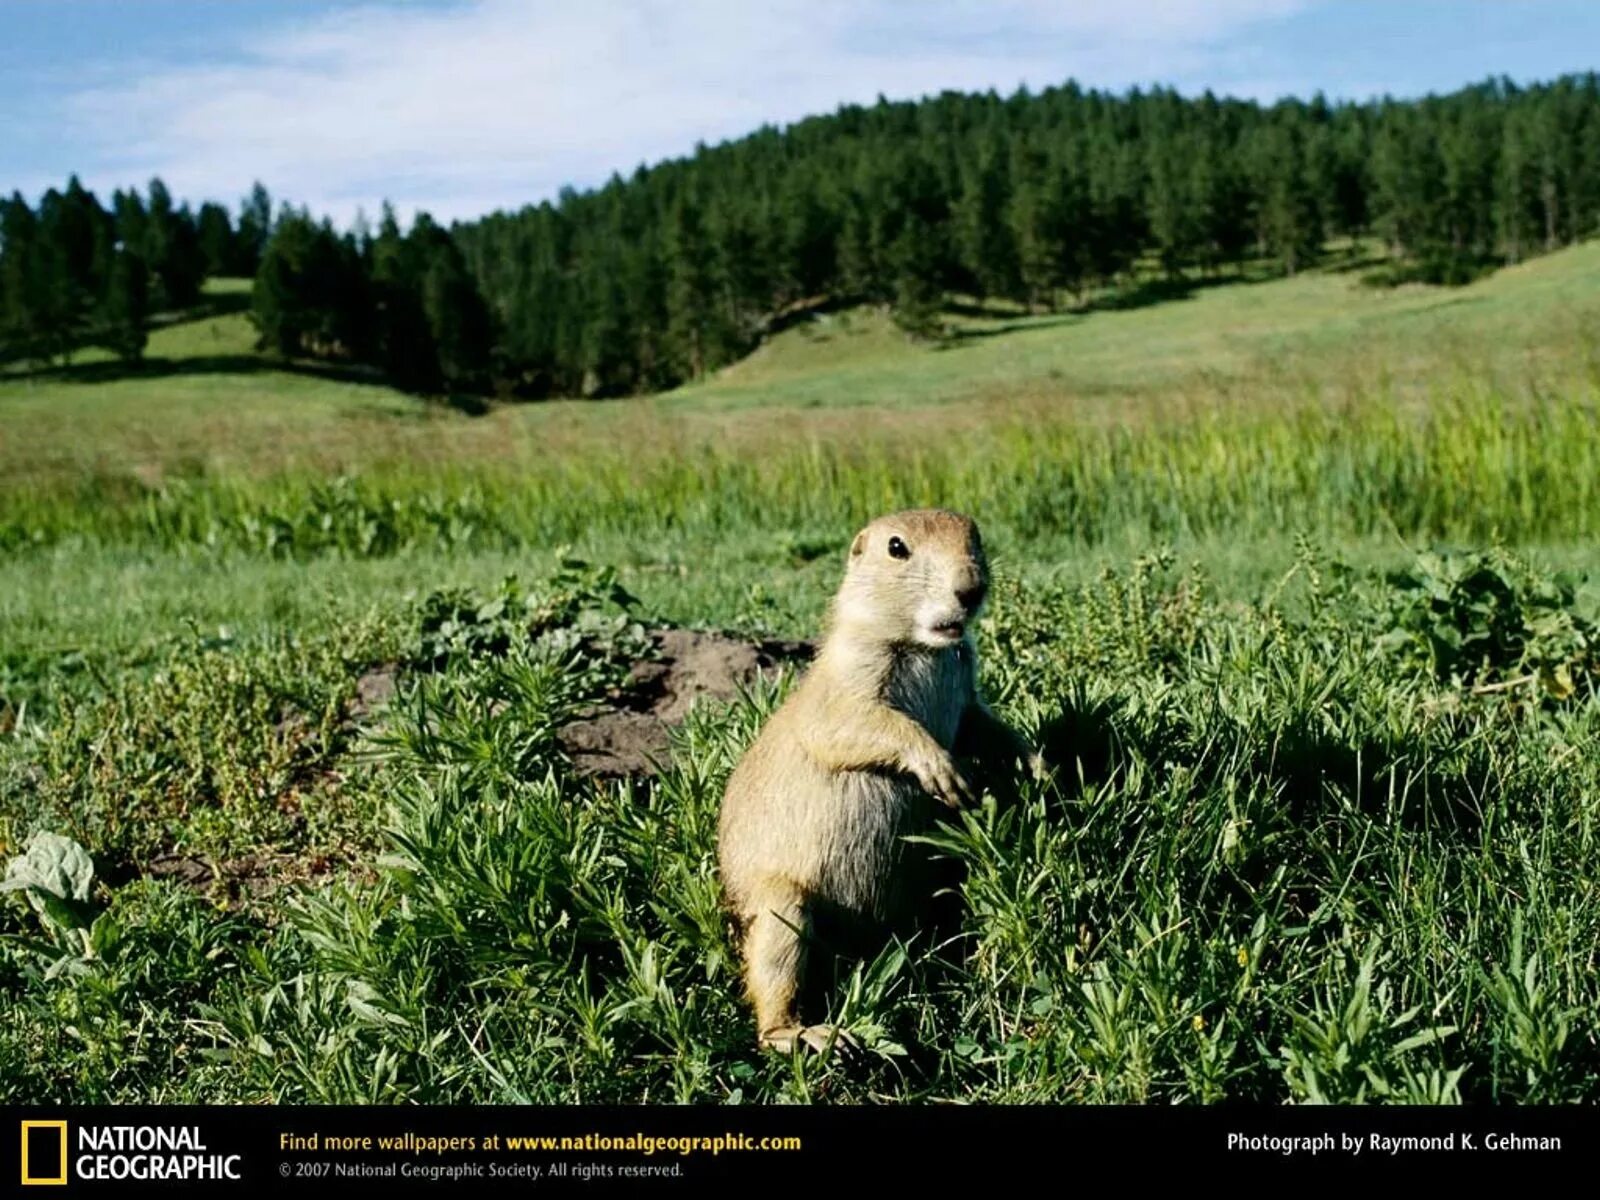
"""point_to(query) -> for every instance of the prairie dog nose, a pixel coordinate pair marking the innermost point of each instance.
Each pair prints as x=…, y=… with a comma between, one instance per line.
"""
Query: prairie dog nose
x=971, y=595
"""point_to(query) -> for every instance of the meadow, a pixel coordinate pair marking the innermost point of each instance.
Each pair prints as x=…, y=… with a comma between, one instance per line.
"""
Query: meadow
x=1297, y=586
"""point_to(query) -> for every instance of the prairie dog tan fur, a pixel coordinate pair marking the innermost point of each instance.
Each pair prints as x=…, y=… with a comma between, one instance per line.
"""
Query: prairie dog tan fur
x=811, y=842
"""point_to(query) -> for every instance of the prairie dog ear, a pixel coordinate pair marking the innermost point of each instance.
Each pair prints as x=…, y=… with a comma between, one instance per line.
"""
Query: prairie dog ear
x=859, y=546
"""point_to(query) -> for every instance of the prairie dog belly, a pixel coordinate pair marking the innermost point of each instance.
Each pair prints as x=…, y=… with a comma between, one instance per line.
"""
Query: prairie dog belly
x=871, y=869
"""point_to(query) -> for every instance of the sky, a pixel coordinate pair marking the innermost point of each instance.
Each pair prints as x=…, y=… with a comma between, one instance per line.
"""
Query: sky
x=461, y=107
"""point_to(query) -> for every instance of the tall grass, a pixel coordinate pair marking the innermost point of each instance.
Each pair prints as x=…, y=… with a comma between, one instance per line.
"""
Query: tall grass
x=1472, y=464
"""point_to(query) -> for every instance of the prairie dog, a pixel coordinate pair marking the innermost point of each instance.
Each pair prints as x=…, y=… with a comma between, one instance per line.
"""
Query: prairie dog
x=810, y=842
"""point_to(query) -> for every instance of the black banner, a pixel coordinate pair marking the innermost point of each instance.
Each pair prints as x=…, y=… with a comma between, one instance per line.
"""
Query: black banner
x=187, y=1149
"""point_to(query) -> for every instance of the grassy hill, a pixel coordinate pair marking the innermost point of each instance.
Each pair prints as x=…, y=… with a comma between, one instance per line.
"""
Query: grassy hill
x=1325, y=821
x=206, y=402
x=1320, y=329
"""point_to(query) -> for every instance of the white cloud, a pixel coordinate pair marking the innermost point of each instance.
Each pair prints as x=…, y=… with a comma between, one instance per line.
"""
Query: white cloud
x=494, y=103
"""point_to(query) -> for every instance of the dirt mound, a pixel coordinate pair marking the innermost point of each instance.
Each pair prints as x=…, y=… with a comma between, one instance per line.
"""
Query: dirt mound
x=375, y=688
x=630, y=733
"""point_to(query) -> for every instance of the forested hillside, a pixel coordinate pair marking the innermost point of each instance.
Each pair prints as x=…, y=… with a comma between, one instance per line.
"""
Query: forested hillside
x=680, y=268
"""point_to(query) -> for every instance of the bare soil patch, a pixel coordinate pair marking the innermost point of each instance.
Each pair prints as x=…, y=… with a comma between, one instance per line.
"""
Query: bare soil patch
x=630, y=733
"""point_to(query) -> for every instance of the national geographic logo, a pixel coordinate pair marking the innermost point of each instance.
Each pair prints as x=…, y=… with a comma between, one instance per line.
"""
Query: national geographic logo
x=111, y=1153
x=44, y=1153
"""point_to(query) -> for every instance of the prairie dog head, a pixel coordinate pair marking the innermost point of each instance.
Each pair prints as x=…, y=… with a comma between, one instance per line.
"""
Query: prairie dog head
x=918, y=576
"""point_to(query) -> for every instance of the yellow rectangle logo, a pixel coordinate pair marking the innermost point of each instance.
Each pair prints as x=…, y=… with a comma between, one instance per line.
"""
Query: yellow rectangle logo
x=29, y=1179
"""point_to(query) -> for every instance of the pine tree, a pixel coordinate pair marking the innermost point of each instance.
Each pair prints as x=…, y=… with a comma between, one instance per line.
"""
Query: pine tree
x=19, y=251
x=860, y=273
x=1320, y=164
x=608, y=361
x=1516, y=202
x=1051, y=225
x=216, y=238
x=172, y=248
x=1173, y=210
x=71, y=220
x=122, y=318
x=808, y=232
x=919, y=296
x=59, y=298
x=1117, y=217
x=1551, y=138
x=741, y=235
x=457, y=318
x=691, y=291
x=1289, y=226
x=1584, y=101
x=276, y=305
x=1035, y=230
x=402, y=341
x=130, y=222
x=255, y=227
x=1223, y=210
x=985, y=248
x=1469, y=149
x=1352, y=153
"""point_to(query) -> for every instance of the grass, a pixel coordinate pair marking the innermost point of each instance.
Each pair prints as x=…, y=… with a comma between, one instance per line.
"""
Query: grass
x=1324, y=827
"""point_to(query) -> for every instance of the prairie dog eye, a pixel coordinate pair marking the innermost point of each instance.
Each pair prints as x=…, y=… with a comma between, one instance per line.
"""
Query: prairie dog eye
x=898, y=549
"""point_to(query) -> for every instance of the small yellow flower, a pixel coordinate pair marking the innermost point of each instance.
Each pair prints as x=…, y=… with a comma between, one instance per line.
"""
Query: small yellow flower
x=1199, y=1023
x=1243, y=956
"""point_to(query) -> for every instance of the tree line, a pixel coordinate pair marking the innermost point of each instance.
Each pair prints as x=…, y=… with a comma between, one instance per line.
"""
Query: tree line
x=680, y=268
x=75, y=273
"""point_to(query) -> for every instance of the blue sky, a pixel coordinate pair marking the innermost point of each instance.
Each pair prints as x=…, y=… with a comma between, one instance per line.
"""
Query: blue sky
x=463, y=106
